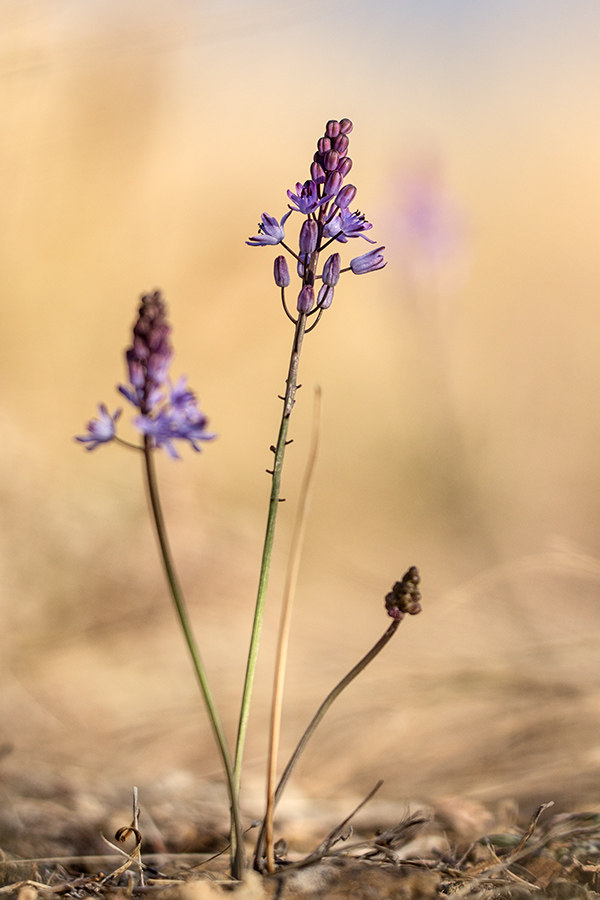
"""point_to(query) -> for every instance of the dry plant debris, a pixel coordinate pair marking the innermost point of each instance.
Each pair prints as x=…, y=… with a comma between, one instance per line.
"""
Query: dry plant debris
x=557, y=858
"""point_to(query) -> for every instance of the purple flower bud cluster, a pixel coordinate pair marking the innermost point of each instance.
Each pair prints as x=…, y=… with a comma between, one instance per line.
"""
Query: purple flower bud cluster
x=325, y=202
x=167, y=412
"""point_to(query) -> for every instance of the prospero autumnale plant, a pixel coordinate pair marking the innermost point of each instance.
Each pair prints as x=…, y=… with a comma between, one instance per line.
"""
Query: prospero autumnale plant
x=167, y=414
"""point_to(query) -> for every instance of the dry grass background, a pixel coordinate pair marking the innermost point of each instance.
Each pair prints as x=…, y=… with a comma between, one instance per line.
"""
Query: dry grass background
x=140, y=143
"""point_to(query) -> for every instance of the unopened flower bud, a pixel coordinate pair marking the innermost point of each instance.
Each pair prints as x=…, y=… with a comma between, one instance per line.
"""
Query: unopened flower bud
x=345, y=196
x=323, y=145
x=331, y=270
x=281, y=272
x=344, y=166
x=325, y=298
x=340, y=145
x=332, y=129
x=346, y=126
x=331, y=160
x=300, y=268
x=309, y=234
x=333, y=183
x=368, y=262
x=317, y=173
x=306, y=299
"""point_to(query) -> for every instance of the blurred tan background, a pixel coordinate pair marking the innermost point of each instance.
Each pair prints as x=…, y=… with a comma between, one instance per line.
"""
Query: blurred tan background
x=140, y=144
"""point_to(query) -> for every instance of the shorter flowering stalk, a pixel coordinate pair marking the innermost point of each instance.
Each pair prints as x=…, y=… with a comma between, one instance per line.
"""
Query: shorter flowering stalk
x=237, y=838
x=166, y=414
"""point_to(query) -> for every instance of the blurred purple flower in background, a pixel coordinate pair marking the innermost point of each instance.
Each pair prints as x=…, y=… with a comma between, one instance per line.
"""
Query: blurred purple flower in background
x=429, y=229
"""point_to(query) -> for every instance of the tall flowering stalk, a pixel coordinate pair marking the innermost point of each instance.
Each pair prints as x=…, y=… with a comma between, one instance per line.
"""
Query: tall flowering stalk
x=324, y=203
x=166, y=414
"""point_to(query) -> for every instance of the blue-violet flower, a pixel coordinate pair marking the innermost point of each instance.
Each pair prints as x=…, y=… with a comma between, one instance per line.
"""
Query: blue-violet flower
x=270, y=231
x=101, y=430
x=346, y=225
x=306, y=198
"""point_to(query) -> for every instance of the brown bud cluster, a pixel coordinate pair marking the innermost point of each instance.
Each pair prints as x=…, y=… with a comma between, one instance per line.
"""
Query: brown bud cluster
x=405, y=598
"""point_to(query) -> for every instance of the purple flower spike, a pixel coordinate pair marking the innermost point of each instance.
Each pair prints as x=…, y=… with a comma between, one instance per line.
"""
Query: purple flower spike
x=270, y=231
x=306, y=198
x=306, y=299
x=168, y=412
x=324, y=201
x=101, y=430
x=368, y=262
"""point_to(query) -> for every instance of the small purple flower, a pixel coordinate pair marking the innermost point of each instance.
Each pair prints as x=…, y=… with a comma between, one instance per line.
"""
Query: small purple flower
x=183, y=400
x=306, y=198
x=368, y=262
x=347, y=225
x=270, y=231
x=101, y=430
x=180, y=419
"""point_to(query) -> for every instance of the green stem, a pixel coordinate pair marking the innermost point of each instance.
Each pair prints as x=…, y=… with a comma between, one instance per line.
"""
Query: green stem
x=288, y=405
x=237, y=842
